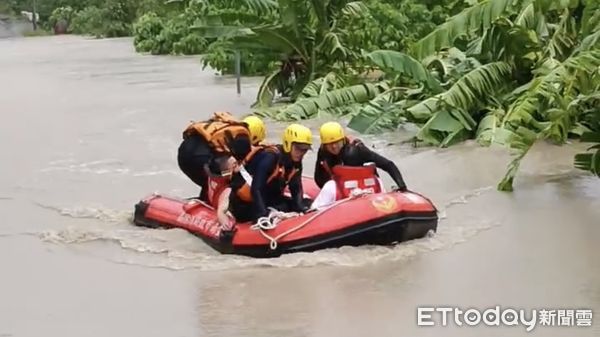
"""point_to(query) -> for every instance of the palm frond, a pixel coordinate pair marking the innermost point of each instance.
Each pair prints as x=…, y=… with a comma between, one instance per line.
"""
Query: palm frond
x=476, y=18
x=231, y=16
x=561, y=123
x=260, y=6
x=309, y=107
x=552, y=76
x=291, y=13
x=493, y=42
x=587, y=61
x=213, y=27
x=452, y=121
x=545, y=6
x=522, y=139
x=445, y=63
x=425, y=109
x=589, y=42
x=381, y=113
x=400, y=63
x=444, y=129
x=506, y=184
x=477, y=84
x=279, y=38
x=592, y=99
x=563, y=39
x=332, y=45
x=321, y=85
x=439, y=66
x=527, y=17
x=355, y=9
x=489, y=130
x=589, y=161
x=521, y=111
x=590, y=20
x=319, y=7
x=266, y=91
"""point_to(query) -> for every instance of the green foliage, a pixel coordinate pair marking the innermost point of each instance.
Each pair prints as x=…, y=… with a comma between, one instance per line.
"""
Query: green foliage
x=172, y=36
x=404, y=65
x=89, y=21
x=289, y=33
x=500, y=71
x=221, y=57
x=179, y=33
x=6, y=8
x=331, y=101
x=475, y=19
x=100, y=18
x=61, y=15
x=388, y=25
x=101, y=22
x=338, y=32
x=38, y=32
x=146, y=29
x=590, y=161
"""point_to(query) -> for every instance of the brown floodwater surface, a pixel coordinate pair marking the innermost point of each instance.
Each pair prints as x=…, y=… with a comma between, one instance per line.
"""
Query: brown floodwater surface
x=89, y=127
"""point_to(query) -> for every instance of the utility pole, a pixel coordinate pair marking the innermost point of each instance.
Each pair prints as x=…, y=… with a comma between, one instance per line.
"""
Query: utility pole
x=34, y=16
x=238, y=71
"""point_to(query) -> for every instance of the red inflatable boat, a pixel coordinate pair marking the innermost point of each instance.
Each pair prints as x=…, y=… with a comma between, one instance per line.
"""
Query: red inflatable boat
x=383, y=219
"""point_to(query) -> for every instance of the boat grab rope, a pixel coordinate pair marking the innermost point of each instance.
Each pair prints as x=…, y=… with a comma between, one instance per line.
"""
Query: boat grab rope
x=275, y=217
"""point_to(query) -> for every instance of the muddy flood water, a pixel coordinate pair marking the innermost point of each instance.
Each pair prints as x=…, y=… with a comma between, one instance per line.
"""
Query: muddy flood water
x=89, y=127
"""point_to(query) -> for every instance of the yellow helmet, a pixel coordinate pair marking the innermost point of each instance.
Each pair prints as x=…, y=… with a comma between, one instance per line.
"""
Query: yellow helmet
x=296, y=133
x=331, y=132
x=257, y=129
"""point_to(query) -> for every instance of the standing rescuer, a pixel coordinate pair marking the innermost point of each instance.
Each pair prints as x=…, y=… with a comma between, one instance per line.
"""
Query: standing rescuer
x=204, y=142
x=338, y=149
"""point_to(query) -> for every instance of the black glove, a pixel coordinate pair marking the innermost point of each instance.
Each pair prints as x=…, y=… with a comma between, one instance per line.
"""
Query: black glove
x=301, y=206
x=227, y=235
x=401, y=188
x=303, y=209
x=262, y=214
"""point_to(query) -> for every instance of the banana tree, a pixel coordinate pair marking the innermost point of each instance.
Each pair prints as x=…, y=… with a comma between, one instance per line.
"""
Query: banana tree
x=303, y=38
x=542, y=62
x=590, y=161
x=529, y=71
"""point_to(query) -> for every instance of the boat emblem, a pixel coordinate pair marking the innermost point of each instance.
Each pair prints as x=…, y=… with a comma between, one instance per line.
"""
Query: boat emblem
x=385, y=203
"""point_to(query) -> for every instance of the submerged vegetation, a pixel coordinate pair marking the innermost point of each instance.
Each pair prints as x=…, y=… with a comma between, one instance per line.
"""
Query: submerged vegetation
x=509, y=72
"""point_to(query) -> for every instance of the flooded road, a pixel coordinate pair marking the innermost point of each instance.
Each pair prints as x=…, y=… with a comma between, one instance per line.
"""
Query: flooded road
x=89, y=127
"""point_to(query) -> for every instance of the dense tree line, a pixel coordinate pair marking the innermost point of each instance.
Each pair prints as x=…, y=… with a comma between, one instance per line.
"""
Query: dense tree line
x=499, y=71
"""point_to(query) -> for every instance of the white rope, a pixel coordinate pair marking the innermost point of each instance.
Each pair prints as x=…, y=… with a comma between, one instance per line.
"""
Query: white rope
x=271, y=221
x=275, y=217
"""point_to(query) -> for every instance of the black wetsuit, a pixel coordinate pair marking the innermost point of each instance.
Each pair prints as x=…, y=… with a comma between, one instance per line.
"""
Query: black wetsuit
x=355, y=154
x=267, y=194
x=194, y=153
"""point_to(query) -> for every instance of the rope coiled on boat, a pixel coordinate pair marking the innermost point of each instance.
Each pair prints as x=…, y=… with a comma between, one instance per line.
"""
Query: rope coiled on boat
x=275, y=217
